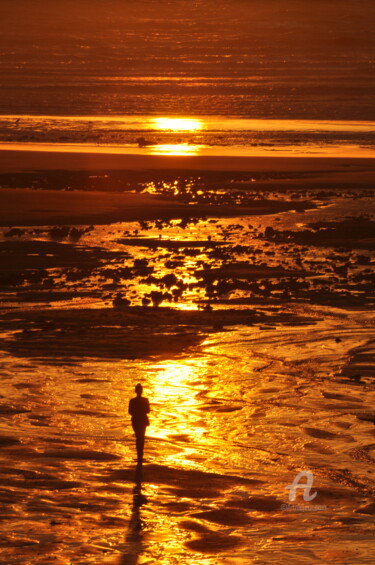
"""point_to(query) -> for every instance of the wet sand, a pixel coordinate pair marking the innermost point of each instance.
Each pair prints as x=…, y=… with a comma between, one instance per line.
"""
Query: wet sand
x=251, y=328
x=77, y=207
x=56, y=207
x=15, y=157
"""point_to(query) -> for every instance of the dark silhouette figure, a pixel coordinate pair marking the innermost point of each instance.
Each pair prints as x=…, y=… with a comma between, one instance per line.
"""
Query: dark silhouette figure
x=139, y=407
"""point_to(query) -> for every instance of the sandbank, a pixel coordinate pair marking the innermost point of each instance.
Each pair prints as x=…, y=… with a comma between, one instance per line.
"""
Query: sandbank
x=27, y=157
x=23, y=207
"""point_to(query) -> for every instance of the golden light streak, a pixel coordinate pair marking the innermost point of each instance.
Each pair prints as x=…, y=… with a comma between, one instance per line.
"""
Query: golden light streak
x=171, y=386
x=174, y=149
x=177, y=124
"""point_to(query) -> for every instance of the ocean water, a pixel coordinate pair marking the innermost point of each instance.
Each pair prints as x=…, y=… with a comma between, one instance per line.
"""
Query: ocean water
x=252, y=73
x=274, y=59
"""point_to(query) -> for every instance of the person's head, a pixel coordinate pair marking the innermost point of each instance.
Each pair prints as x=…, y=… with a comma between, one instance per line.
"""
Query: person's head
x=138, y=389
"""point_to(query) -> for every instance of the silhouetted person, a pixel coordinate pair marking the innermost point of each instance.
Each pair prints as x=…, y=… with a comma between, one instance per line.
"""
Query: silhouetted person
x=139, y=407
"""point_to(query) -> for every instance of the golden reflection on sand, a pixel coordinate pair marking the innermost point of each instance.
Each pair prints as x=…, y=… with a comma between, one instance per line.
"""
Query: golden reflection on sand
x=174, y=149
x=171, y=387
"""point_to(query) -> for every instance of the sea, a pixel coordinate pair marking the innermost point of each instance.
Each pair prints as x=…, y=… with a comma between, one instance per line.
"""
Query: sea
x=258, y=71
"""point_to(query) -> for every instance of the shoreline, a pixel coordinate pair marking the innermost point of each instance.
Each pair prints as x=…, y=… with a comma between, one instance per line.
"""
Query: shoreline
x=26, y=157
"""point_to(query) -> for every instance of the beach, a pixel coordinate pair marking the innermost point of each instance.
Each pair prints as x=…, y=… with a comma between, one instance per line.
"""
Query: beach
x=229, y=287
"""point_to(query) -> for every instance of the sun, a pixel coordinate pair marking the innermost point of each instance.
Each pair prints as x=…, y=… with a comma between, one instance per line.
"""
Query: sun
x=177, y=124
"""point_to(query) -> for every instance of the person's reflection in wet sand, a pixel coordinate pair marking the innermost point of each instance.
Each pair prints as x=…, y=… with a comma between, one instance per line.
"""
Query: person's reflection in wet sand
x=134, y=535
x=139, y=407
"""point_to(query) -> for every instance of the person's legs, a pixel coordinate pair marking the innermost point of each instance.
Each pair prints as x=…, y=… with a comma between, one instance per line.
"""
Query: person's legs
x=139, y=440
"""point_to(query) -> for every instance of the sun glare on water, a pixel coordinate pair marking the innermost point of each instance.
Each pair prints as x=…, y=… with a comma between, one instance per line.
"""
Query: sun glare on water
x=177, y=124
